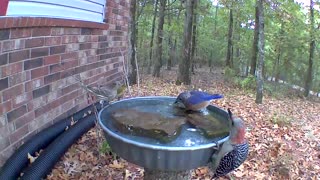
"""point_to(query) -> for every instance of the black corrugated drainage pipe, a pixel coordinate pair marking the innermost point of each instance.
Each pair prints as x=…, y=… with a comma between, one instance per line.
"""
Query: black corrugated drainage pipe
x=19, y=159
x=48, y=158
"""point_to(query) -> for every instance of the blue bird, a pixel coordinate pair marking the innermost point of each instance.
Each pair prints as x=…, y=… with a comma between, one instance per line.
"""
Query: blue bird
x=195, y=100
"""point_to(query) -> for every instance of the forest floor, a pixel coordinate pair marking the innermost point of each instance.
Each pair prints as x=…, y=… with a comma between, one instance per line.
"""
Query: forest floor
x=284, y=134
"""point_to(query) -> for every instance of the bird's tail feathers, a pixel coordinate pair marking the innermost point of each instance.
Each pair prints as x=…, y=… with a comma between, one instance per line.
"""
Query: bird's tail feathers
x=215, y=96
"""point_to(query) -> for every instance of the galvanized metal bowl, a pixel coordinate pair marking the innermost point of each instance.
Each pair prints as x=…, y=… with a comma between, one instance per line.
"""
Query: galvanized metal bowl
x=188, y=151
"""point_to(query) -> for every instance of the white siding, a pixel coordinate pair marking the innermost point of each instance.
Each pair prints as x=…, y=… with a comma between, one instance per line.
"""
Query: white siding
x=89, y=10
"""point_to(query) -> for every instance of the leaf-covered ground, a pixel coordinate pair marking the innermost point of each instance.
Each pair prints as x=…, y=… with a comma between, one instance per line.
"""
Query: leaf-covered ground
x=284, y=135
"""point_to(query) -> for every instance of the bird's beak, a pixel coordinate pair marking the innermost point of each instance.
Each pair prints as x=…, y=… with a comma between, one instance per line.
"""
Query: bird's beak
x=178, y=104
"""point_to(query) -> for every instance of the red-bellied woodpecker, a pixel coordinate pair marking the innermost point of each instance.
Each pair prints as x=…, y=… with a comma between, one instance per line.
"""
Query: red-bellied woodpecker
x=234, y=151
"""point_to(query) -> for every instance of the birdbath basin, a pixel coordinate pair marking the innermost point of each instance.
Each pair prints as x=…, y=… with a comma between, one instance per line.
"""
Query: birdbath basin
x=190, y=149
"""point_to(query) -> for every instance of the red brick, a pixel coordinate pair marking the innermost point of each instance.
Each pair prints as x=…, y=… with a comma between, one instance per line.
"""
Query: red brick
x=94, y=38
x=36, y=103
x=33, y=63
x=69, y=39
x=36, y=21
x=23, y=22
x=69, y=88
x=86, y=31
x=85, y=46
x=70, y=55
x=20, y=33
x=34, y=84
x=72, y=47
x=19, y=78
x=54, y=59
x=72, y=31
x=11, y=69
x=5, y=107
x=43, y=22
x=39, y=72
x=21, y=99
x=19, y=55
x=70, y=96
x=9, y=22
x=38, y=52
x=70, y=63
x=18, y=134
x=51, y=78
x=43, y=31
x=57, y=49
x=4, y=83
x=8, y=46
x=4, y=143
x=34, y=42
x=41, y=110
x=41, y=91
x=16, y=113
x=97, y=32
x=52, y=41
x=4, y=34
x=56, y=31
x=56, y=68
x=12, y=92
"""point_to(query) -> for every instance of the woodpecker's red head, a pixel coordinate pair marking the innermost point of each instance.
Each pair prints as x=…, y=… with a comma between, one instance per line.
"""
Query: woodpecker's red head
x=237, y=130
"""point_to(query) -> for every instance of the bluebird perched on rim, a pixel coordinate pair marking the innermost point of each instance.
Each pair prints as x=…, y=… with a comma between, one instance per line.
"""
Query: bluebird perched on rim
x=195, y=100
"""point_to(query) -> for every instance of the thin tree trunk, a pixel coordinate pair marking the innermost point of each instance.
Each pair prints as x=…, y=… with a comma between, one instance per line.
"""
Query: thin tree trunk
x=184, y=65
x=216, y=18
x=158, y=63
x=169, y=63
x=210, y=61
x=152, y=36
x=261, y=43
x=311, y=55
x=174, y=48
x=194, y=34
x=237, y=38
x=255, y=44
x=276, y=68
x=230, y=49
x=133, y=42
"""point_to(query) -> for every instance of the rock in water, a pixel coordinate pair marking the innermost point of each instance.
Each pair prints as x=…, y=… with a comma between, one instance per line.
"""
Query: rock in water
x=208, y=124
x=152, y=125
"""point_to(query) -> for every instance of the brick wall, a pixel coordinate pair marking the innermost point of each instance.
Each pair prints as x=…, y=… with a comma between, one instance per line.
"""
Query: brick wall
x=38, y=60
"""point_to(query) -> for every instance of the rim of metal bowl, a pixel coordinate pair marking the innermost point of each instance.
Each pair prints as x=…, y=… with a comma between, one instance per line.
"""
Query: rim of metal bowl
x=156, y=147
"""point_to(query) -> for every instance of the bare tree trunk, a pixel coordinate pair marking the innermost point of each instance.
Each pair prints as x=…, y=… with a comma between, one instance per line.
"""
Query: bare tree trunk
x=194, y=34
x=152, y=36
x=216, y=18
x=311, y=55
x=255, y=44
x=261, y=42
x=170, y=57
x=229, y=60
x=276, y=67
x=173, y=50
x=237, y=38
x=210, y=61
x=184, y=65
x=158, y=62
x=133, y=42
